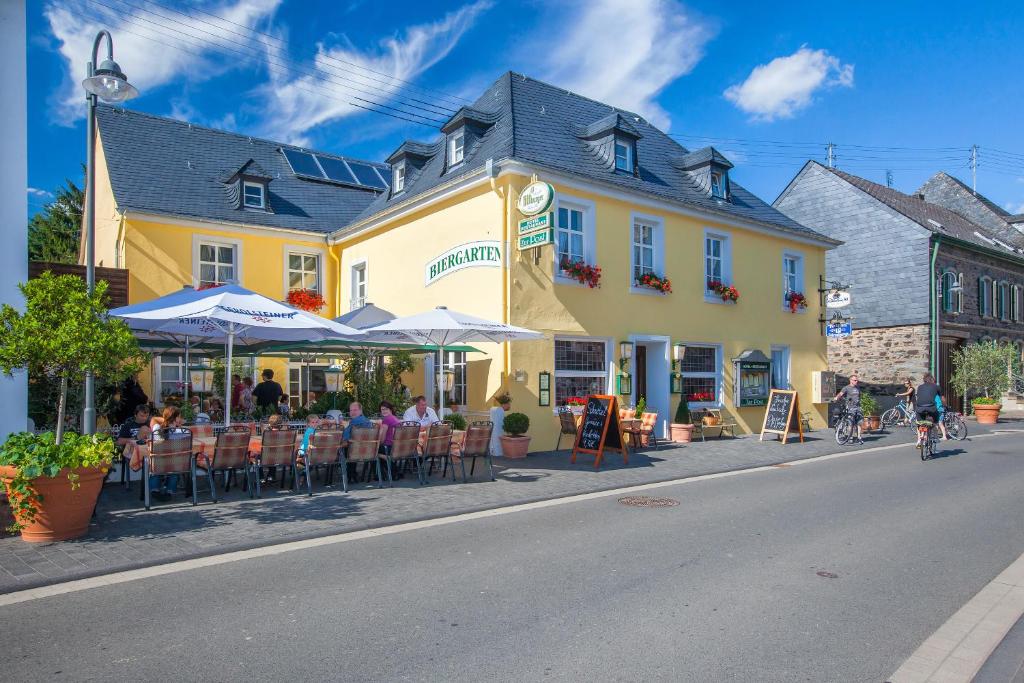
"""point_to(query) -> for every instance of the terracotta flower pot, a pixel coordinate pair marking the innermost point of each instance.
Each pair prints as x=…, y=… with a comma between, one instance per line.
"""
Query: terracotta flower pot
x=987, y=413
x=871, y=423
x=63, y=513
x=681, y=433
x=514, y=446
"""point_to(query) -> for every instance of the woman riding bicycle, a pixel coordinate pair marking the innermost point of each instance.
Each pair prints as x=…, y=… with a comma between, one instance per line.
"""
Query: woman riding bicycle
x=907, y=393
x=929, y=405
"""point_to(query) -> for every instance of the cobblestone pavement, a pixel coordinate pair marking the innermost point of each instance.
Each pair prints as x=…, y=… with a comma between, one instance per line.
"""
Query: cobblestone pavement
x=125, y=536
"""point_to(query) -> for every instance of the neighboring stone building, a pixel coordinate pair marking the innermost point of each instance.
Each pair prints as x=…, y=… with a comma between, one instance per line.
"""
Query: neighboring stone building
x=904, y=256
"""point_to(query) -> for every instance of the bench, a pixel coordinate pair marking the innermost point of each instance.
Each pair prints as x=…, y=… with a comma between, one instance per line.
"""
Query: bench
x=711, y=418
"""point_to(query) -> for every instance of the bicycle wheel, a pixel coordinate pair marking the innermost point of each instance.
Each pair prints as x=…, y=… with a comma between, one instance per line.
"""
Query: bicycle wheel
x=844, y=431
x=890, y=418
x=923, y=448
x=961, y=427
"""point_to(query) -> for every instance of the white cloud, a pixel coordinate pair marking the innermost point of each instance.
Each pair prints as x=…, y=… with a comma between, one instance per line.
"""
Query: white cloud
x=143, y=48
x=625, y=52
x=1015, y=208
x=36, y=192
x=296, y=106
x=786, y=85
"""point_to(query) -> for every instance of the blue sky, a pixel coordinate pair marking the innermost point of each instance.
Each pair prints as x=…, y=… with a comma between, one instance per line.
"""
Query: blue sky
x=906, y=87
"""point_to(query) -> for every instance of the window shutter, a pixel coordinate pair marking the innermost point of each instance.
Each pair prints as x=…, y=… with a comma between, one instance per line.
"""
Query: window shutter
x=981, y=296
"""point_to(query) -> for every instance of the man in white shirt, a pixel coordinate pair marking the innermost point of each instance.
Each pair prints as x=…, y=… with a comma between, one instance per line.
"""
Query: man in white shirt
x=420, y=412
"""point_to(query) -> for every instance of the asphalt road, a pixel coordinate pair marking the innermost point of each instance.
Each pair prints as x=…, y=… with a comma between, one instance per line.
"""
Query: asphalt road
x=724, y=586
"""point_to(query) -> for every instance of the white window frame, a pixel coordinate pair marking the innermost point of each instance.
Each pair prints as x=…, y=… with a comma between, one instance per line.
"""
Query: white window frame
x=610, y=368
x=457, y=361
x=960, y=294
x=718, y=375
x=183, y=375
x=300, y=251
x=1015, y=292
x=985, y=297
x=1004, y=314
x=657, y=225
x=353, y=269
x=453, y=149
x=718, y=193
x=798, y=257
x=628, y=146
x=398, y=178
x=586, y=206
x=726, y=257
x=216, y=241
x=297, y=394
x=246, y=184
x=787, y=360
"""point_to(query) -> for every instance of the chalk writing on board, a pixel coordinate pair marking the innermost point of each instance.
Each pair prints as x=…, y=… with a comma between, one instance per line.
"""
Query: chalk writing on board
x=777, y=418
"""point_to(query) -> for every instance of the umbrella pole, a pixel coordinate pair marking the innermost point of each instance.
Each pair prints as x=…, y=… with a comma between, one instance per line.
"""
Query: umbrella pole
x=227, y=376
x=188, y=375
x=441, y=382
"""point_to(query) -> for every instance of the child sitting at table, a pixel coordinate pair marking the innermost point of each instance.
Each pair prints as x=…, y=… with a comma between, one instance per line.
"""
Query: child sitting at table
x=312, y=422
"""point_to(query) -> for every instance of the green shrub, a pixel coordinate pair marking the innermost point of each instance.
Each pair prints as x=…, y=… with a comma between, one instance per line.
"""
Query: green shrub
x=982, y=368
x=683, y=412
x=985, y=401
x=641, y=406
x=516, y=424
x=457, y=421
x=868, y=404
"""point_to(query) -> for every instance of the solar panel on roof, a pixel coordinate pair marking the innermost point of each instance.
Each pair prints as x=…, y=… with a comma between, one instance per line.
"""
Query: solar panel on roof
x=366, y=175
x=335, y=169
x=303, y=163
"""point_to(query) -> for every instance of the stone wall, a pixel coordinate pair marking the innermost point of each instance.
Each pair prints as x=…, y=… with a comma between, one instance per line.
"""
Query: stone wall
x=881, y=356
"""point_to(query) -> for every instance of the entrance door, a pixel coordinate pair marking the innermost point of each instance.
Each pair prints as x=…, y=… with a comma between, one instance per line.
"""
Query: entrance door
x=641, y=372
x=946, y=348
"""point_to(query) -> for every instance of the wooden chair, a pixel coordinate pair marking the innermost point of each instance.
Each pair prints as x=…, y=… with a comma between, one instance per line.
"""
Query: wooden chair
x=477, y=444
x=323, y=451
x=647, y=426
x=230, y=455
x=171, y=455
x=567, y=425
x=362, y=447
x=439, y=445
x=405, y=446
x=278, y=451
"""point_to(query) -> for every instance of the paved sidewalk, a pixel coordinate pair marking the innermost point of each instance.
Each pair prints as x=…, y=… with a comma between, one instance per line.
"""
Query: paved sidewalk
x=125, y=536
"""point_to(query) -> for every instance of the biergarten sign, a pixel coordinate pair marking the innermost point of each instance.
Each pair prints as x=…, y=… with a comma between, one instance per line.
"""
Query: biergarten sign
x=480, y=254
x=536, y=239
x=535, y=198
x=541, y=221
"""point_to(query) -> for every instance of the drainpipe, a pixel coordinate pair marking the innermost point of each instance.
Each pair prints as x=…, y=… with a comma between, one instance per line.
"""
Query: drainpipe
x=337, y=282
x=934, y=300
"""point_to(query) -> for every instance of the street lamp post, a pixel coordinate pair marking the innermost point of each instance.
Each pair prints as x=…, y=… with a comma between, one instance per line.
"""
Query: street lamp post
x=107, y=83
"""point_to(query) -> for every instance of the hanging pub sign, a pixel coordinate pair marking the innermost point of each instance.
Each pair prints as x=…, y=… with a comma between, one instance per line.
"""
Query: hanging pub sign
x=484, y=253
x=753, y=371
x=839, y=330
x=535, y=198
x=542, y=221
x=837, y=298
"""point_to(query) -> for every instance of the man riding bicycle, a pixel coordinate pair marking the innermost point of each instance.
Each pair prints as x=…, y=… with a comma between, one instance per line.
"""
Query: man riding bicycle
x=929, y=405
x=851, y=392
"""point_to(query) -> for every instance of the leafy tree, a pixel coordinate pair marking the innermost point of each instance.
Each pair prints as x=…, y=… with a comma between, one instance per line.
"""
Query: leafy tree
x=983, y=368
x=65, y=332
x=54, y=233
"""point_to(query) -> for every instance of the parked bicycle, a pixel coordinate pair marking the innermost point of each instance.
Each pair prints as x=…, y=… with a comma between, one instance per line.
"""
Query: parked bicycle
x=845, y=424
x=927, y=439
x=900, y=415
x=956, y=426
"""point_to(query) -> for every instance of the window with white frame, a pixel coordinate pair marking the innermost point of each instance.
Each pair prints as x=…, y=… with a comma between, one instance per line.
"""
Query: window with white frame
x=780, y=367
x=792, y=276
x=643, y=249
x=717, y=185
x=960, y=293
x=581, y=368
x=172, y=374
x=358, y=286
x=623, y=155
x=569, y=234
x=304, y=378
x=303, y=271
x=985, y=296
x=456, y=148
x=217, y=264
x=398, y=178
x=701, y=372
x=1015, y=303
x=1003, y=301
x=253, y=195
x=717, y=262
x=456, y=362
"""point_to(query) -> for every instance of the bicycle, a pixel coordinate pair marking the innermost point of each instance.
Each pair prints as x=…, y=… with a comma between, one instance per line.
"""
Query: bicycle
x=927, y=439
x=955, y=424
x=845, y=425
x=900, y=415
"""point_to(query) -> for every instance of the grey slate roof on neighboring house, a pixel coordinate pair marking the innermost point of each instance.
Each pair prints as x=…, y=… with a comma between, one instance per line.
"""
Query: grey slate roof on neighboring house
x=935, y=218
x=162, y=166
x=539, y=124
x=953, y=194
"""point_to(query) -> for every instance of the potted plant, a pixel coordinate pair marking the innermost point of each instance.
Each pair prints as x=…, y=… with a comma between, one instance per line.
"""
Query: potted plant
x=580, y=271
x=681, y=428
x=795, y=300
x=655, y=282
x=306, y=299
x=576, y=404
x=457, y=421
x=869, y=408
x=514, y=442
x=983, y=369
x=726, y=292
x=53, y=479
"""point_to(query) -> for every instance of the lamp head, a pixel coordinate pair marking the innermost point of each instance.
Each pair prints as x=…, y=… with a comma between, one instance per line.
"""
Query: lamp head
x=109, y=83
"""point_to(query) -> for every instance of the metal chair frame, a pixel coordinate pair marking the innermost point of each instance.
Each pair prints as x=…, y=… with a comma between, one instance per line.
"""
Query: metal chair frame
x=405, y=446
x=567, y=425
x=278, y=451
x=324, y=450
x=225, y=460
x=365, y=442
x=178, y=446
x=439, y=445
x=477, y=444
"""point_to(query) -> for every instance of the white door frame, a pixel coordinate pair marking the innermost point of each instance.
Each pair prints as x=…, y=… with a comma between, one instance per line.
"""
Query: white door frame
x=659, y=368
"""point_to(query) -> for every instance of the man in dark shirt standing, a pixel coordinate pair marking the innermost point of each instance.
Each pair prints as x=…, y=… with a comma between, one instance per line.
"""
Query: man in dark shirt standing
x=851, y=392
x=268, y=392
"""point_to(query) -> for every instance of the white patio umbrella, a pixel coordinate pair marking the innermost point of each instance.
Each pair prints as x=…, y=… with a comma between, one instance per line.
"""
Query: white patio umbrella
x=233, y=314
x=444, y=328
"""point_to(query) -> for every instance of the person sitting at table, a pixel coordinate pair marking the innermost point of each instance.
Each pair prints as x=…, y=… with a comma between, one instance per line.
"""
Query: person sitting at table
x=356, y=419
x=130, y=429
x=284, y=407
x=215, y=409
x=312, y=422
x=389, y=420
x=420, y=412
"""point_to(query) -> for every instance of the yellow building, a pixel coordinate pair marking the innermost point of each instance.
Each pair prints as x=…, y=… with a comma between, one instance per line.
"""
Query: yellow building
x=624, y=197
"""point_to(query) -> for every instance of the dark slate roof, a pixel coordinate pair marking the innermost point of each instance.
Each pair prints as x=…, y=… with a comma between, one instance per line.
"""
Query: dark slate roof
x=168, y=167
x=537, y=124
x=465, y=114
x=933, y=217
x=614, y=121
x=952, y=193
x=700, y=157
x=1018, y=218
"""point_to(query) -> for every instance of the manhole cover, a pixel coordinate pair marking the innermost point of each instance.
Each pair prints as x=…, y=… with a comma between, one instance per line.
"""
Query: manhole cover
x=828, y=575
x=648, y=502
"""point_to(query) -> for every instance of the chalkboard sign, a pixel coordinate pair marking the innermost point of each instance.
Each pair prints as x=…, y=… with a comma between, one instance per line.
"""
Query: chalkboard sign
x=599, y=429
x=782, y=415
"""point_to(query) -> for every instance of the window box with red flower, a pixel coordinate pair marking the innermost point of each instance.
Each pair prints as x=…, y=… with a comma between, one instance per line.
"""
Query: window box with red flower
x=726, y=293
x=795, y=300
x=576, y=404
x=655, y=282
x=306, y=299
x=580, y=271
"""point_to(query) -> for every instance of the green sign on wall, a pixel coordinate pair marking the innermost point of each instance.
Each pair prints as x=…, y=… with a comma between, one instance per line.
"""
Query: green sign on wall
x=541, y=222
x=536, y=239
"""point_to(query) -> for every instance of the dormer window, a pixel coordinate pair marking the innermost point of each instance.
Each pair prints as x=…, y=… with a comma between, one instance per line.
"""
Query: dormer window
x=456, y=148
x=254, y=195
x=717, y=185
x=398, y=178
x=623, y=155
